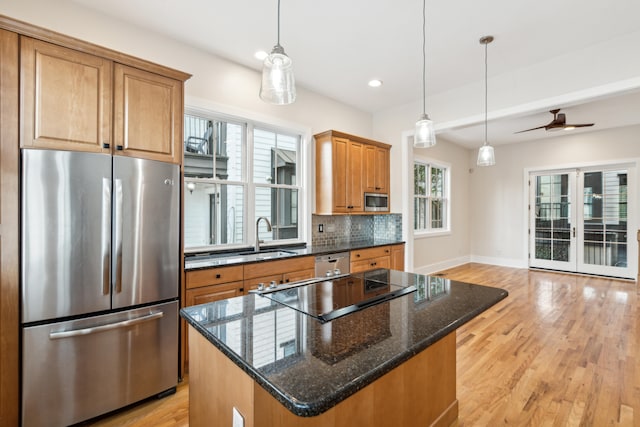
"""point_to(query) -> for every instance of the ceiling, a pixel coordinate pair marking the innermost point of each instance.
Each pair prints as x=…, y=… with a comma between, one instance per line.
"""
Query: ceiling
x=338, y=46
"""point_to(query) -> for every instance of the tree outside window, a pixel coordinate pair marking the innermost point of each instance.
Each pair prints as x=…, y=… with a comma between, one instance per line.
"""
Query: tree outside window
x=430, y=197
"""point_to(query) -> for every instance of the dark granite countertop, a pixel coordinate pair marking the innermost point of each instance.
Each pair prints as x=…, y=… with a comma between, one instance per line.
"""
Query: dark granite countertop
x=311, y=366
x=196, y=262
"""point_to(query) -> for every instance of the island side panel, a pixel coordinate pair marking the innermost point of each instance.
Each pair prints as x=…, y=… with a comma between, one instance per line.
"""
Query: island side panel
x=216, y=386
x=420, y=392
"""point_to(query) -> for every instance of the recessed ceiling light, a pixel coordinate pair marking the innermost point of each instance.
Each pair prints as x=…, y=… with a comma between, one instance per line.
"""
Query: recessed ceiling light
x=375, y=83
x=261, y=55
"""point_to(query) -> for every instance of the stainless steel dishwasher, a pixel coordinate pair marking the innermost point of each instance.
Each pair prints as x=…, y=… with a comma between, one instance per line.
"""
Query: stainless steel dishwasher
x=332, y=265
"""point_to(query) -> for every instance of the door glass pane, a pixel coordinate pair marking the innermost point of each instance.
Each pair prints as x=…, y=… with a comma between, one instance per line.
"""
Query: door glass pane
x=605, y=218
x=552, y=217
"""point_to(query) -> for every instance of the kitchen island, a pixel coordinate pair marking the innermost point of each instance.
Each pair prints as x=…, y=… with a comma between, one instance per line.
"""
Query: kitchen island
x=334, y=352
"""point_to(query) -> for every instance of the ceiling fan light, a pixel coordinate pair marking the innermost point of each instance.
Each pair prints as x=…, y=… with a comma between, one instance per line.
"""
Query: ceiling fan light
x=425, y=134
x=278, y=83
x=486, y=156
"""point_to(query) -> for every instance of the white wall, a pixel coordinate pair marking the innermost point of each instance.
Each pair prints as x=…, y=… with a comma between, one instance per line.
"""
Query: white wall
x=216, y=83
x=431, y=253
x=497, y=194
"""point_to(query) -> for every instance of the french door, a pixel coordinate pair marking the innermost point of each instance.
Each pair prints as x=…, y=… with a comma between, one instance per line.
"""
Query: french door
x=578, y=221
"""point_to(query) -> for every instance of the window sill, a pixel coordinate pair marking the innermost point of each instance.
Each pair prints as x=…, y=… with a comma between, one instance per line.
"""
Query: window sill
x=427, y=234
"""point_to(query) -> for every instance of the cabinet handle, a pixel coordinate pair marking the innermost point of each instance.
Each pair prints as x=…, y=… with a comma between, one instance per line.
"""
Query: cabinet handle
x=119, y=147
x=218, y=276
x=287, y=281
x=105, y=145
x=241, y=289
x=378, y=188
x=357, y=255
x=386, y=251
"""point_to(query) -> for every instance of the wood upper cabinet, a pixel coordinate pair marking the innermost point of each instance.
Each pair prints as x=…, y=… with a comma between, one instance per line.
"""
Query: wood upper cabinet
x=147, y=114
x=347, y=166
x=78, y=101
x=66, y=98
x=376, y=169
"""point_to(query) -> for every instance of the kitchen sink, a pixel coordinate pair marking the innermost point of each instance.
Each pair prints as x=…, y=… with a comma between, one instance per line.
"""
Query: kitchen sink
x=270, y=252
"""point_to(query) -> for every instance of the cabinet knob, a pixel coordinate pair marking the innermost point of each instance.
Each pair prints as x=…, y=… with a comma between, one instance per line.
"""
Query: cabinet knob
x=218, y=276
x=357, y=255
x=119, y=147
x=105, y=145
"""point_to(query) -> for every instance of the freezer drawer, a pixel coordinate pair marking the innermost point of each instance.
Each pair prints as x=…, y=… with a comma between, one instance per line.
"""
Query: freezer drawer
x=76, y=370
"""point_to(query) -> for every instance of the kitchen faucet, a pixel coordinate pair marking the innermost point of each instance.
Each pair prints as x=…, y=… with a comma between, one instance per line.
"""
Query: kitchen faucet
x=258, y=238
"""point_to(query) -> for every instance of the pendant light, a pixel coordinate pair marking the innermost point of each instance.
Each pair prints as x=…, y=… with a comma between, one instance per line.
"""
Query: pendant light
x=278, y=85
x=425, y=134
x=486, y=157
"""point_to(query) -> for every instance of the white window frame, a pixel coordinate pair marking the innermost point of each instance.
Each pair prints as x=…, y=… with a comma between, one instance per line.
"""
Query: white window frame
x=429, y=232
x=303, y=177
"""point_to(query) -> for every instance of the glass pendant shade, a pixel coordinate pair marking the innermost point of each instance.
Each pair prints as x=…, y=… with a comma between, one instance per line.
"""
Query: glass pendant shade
x=425, y=134
x=278, y=84
x=486, y=157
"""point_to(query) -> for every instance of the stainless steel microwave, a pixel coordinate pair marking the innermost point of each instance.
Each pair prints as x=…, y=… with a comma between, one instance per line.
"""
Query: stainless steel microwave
x=376, y=202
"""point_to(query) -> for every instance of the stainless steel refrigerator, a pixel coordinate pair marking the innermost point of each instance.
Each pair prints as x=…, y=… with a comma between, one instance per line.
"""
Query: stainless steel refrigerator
x=99, y=279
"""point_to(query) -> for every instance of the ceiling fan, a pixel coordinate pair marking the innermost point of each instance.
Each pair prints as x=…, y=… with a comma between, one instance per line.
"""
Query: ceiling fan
x=559, y=122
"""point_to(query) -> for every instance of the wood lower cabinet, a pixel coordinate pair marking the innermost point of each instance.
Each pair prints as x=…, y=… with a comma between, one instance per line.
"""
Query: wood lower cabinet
x=390, y=256
x=397, y=257
x=280, y=271
x=347, y=166
x=78, y=101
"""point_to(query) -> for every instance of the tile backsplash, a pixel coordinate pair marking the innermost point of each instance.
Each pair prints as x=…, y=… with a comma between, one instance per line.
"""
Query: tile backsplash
x=345, y=229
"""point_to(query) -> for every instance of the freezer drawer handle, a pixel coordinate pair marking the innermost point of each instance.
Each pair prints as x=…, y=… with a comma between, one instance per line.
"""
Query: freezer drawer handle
x=103, y=328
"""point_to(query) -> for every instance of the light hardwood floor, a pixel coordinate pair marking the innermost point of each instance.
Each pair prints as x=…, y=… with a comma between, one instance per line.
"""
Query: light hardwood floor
x=561, y=350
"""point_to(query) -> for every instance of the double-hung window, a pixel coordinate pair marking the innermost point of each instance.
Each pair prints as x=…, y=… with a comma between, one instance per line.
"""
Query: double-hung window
x=236, y=171
x=431, y=197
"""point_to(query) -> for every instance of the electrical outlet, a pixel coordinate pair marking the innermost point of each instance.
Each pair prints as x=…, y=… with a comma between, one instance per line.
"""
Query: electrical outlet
x=238, y=419
x=320, y=228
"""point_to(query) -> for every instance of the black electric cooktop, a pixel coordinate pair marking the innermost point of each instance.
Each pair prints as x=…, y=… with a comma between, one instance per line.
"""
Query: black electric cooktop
x=328, y=299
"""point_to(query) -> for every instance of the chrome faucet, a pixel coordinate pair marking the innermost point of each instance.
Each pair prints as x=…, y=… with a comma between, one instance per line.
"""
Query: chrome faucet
x=258, y=238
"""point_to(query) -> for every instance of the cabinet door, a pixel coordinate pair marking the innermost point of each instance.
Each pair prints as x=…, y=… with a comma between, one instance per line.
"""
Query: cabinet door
x=369, y=169
x=381, y=182
x=66, y=98
x=397, y=257
x=340, y=173
x=355, y=187
x=147, y=115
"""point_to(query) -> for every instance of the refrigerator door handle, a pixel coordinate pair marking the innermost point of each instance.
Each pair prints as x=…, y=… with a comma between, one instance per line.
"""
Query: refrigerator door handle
x=118, y=220
x=106, y=234
x=102, y=328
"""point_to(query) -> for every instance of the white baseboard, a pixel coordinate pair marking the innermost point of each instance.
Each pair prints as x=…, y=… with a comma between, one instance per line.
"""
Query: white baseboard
x=443, y=265
x=502, y=262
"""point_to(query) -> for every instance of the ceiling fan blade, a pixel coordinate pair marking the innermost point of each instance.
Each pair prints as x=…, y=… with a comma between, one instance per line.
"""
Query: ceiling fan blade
x=527, y=130
x=583, y=125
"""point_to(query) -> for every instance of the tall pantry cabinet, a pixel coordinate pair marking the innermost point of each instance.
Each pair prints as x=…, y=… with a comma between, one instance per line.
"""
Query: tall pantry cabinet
x=61, y=93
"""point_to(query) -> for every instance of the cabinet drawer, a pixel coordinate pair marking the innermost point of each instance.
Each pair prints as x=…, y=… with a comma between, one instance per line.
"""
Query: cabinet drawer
x=282, y=266
x=212, y=293
x=253, y=283
x=213, y=276
x=378, y=251
x=296, y=276
x=370, y=264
